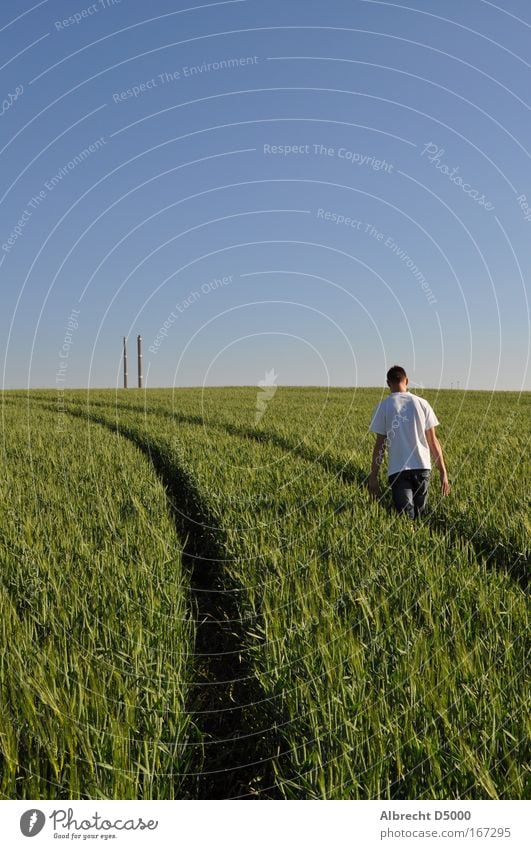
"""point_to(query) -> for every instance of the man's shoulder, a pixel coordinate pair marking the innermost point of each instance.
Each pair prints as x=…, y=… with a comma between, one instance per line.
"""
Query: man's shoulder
x=389, y=404
x=426, y=404
x=381, y=405
x=418, y=399
x=379, y=416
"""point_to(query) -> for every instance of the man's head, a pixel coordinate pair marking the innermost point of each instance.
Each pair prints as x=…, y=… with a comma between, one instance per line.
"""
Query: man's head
x=397, y=379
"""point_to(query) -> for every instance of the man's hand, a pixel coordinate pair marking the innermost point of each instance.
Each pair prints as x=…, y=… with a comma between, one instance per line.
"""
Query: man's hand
x=436, y=451
x=377, y=458
x=374, y=487
x=445, y=484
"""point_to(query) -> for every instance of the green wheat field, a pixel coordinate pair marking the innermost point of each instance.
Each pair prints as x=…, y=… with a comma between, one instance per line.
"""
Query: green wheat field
x=196, y=604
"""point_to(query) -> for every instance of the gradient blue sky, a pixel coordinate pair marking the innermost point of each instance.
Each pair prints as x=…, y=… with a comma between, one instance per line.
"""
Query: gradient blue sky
x=179, y=192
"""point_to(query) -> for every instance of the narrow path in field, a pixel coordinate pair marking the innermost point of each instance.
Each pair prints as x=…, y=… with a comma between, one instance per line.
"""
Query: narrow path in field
x=229, y=707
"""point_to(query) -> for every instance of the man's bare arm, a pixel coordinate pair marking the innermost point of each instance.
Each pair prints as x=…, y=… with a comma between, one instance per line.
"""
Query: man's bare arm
x=437, y=454
x=378, y=453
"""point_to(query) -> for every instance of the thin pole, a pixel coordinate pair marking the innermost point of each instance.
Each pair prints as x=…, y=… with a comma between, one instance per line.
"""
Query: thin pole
x=140, y=375
x=125, y=364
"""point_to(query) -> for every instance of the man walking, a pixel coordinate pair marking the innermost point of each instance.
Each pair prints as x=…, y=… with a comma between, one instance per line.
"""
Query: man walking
x=406, y=424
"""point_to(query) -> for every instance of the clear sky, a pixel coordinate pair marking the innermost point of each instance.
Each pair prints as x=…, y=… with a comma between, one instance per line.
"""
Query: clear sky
x=322, y=189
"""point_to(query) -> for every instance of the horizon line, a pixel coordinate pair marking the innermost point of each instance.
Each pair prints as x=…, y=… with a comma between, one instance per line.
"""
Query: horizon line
x=61, y=390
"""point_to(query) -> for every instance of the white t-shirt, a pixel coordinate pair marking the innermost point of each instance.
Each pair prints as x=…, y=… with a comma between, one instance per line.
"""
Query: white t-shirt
x=404, y=418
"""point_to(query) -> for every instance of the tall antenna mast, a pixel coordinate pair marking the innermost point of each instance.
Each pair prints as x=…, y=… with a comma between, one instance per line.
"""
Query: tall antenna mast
x=125, y=364
x=140, y=375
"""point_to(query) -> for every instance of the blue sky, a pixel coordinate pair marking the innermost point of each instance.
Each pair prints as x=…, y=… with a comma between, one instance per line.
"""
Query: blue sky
x=322, y=189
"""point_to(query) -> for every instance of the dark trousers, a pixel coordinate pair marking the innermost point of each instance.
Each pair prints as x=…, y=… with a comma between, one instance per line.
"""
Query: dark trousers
x=410, y=491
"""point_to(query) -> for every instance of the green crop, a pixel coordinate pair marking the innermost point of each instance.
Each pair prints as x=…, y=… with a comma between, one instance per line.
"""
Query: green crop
x=96, y=632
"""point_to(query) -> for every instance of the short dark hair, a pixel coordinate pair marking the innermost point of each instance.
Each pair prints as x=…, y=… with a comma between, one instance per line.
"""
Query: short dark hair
x=396, y=374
